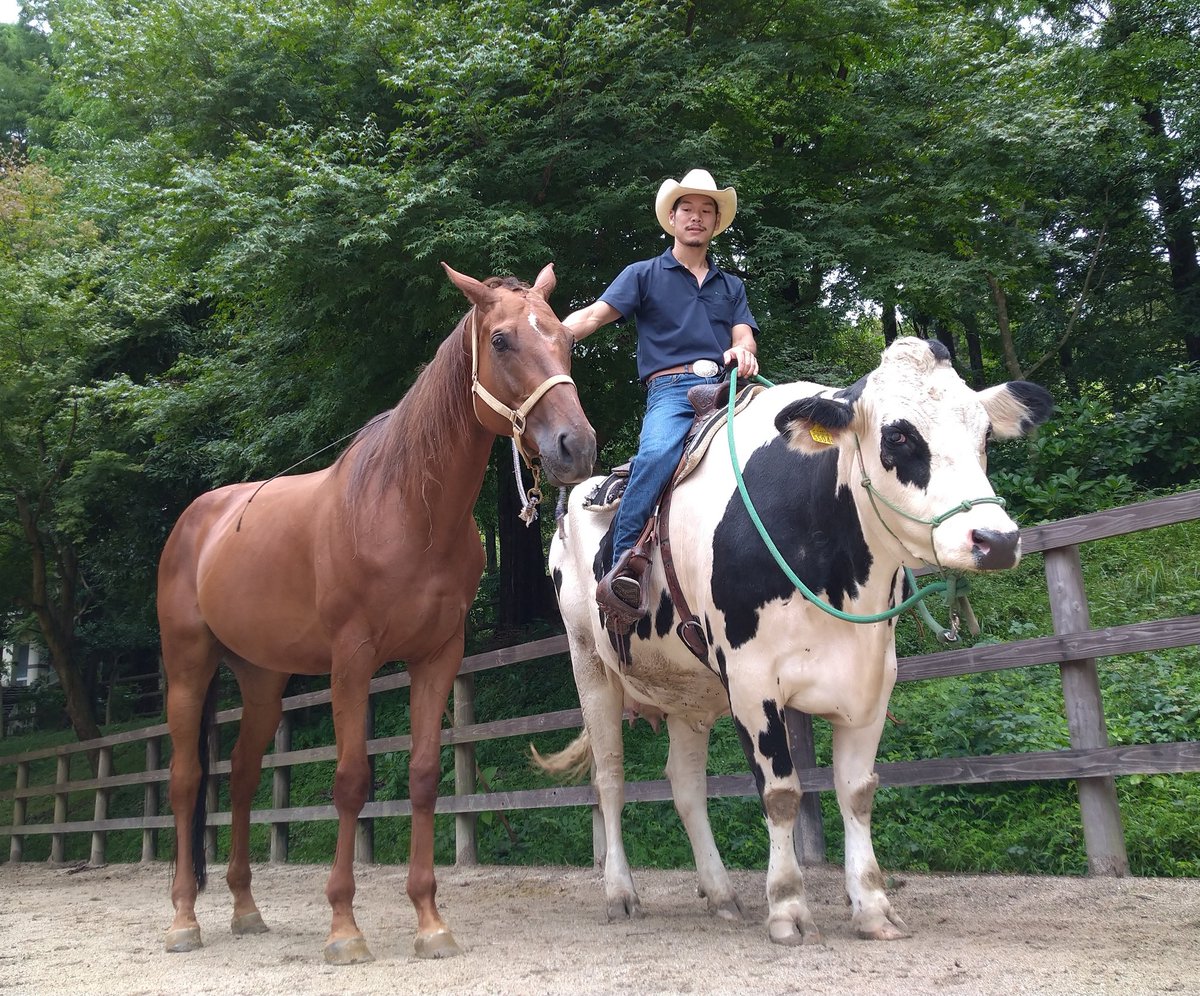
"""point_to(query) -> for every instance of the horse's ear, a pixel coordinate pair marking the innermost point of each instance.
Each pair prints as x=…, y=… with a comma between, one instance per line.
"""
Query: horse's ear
x=546, y=280
x=475, y=291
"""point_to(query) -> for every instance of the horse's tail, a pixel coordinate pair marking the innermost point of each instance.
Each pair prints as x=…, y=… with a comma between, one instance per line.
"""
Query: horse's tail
x=572, y=763
x=208, y=723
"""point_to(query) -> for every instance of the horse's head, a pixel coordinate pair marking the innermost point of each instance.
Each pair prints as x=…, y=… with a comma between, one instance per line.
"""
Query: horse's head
x=520, y=364
x=913, y=442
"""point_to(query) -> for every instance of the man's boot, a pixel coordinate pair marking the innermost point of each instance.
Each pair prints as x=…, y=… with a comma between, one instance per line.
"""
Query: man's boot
x=622, y=593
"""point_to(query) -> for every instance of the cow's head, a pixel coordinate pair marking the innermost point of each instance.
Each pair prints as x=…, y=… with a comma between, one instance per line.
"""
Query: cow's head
x=913, y=440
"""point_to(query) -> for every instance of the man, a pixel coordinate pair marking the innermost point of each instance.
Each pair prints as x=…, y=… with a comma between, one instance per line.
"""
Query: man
x=692, y=320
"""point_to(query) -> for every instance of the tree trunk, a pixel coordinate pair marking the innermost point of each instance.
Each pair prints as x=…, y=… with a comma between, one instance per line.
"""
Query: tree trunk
x=1006, y=339
x=1179, y=237
x=974, y=349
x=526, y=592
x=55, y=612
x=891, y=328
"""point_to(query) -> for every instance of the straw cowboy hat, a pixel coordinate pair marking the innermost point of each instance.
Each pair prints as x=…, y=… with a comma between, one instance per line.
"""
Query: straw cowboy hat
x=697, y=181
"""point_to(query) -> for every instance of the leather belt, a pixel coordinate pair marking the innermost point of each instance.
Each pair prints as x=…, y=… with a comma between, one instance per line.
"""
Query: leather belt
x=707, y=368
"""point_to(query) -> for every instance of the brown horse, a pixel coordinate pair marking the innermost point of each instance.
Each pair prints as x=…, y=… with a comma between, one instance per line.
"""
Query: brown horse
x=376, y=558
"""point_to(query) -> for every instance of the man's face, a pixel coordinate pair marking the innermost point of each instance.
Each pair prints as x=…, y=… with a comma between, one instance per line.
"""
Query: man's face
x=695, y=219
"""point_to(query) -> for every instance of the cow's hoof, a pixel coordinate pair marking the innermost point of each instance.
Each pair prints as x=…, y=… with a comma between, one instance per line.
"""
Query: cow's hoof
x=626, y=907
x=793, y=935
x=183, y=939
x=348, y=951
x=249, y=923
x=439, y=944
x=882, y=928
x=730, y=909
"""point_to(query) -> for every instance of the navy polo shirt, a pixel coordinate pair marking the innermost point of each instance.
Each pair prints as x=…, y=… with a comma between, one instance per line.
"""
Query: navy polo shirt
x=678, y=320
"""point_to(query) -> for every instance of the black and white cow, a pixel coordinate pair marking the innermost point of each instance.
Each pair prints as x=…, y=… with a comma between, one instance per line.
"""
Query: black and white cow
x=919, y=434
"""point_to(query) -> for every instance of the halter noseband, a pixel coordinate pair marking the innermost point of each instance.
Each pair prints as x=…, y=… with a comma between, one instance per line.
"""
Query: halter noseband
x=515, y=418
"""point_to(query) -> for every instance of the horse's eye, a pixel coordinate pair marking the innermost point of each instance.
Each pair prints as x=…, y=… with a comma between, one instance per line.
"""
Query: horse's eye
x=499, y=342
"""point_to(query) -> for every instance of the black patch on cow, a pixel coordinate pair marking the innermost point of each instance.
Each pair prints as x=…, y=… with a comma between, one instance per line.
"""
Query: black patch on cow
x=644, y=627
x=748, y=749
x=604, y=553
x=722, y=667
x=773, y=741
x=819, y=411
x=665, y=615
x=852, y=393
x=939, y=350
x=810, y=519
x=1039, y=405
x=556, y=577
x=903, y=450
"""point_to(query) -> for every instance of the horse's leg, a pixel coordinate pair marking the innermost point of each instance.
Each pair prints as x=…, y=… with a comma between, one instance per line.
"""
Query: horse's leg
x=687, y=765
x=191, y=666
x=855, y=780
x=760, y=726
x=350, y=687
x=262, y=694
x=432, y=680
x=602, y=702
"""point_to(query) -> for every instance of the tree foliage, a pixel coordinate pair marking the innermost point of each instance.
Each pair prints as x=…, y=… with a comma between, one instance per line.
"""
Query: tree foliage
x=220, y=255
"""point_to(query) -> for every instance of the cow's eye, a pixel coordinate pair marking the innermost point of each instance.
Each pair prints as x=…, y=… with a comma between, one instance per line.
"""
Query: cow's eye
x=500, y=342
x=895, y=437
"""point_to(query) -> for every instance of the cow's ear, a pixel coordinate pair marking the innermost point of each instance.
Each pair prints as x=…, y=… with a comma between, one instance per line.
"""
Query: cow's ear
x=812, y=425
x=1016, y=408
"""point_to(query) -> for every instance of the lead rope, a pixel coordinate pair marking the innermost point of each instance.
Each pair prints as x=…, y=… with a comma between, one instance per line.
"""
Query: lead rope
x=529, y=499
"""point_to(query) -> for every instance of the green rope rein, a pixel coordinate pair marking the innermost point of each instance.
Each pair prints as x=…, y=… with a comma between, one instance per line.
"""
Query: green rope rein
x=917, y=599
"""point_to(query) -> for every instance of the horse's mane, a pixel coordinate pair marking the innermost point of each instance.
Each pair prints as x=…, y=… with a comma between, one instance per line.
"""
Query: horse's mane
x=395, y=448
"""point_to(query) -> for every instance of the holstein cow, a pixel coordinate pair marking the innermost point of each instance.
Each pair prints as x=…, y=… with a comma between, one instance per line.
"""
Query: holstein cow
x=853, y=485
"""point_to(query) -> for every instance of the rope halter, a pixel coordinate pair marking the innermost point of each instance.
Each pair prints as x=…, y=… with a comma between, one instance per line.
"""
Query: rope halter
x=516, y=420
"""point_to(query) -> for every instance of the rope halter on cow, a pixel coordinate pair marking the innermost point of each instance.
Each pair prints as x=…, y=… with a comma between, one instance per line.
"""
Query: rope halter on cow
x=516, y=420
x=953, y=587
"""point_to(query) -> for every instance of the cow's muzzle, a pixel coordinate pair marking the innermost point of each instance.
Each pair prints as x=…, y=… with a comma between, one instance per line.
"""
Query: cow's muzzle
x=994, y=549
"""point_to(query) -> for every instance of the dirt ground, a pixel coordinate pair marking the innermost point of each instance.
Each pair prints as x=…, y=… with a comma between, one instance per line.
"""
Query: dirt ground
x=543, y=930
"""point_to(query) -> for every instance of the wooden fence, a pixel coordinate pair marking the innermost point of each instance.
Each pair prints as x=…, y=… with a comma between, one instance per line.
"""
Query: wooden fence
x=1075, y=646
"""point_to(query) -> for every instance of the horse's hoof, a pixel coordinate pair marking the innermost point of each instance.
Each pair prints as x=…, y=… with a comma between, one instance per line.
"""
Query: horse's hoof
x=348, y=951
x=439, y=944
x=183, y=939
x=249, y=923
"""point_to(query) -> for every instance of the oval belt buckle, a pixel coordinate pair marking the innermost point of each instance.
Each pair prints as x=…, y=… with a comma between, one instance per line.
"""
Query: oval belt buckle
x=705, y=368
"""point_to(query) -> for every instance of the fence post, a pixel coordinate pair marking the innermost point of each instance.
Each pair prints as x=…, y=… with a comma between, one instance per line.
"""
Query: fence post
x=1101, y=815
x=100, y=837
x=211, y=795
x=808, y=833
x=58, y=841
x=281, y=791
x=364, y=831
x=16, y=844
x=466, y=838
x=150, y=800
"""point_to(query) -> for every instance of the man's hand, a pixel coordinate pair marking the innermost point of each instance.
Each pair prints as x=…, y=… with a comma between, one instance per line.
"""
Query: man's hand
x=747, y=362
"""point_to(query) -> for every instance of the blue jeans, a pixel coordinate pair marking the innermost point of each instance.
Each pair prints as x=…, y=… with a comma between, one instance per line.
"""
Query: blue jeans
x=669, y=415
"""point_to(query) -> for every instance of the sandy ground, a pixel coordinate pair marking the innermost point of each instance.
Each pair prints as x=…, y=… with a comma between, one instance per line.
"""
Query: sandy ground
x=543, y=930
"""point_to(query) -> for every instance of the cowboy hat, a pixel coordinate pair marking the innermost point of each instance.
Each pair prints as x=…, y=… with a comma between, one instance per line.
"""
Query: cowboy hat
x=697, y=181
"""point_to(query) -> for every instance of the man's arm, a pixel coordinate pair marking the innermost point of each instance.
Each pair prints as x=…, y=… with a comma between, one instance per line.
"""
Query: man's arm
x=743, y=351
x=585, y=321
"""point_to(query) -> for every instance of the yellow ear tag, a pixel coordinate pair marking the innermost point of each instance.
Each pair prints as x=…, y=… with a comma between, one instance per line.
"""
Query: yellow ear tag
x=821, y=435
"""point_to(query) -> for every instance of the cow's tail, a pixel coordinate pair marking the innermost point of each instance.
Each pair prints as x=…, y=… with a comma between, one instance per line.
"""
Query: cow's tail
x=200, y=811
x=572, y=763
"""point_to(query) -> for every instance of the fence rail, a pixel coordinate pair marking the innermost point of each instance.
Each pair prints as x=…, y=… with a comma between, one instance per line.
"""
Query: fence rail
x=1074, y=646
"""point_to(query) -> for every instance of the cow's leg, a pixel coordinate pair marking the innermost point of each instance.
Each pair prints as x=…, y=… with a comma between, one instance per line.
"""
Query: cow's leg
x=602, y=702
x=687, y=765
x=349, y=687
x=760, y=725
x=432, y=680
x=262, y=694
x=855, y=781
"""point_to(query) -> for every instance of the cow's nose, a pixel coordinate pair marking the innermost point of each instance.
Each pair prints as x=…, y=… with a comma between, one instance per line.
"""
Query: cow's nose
x=994, y=550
